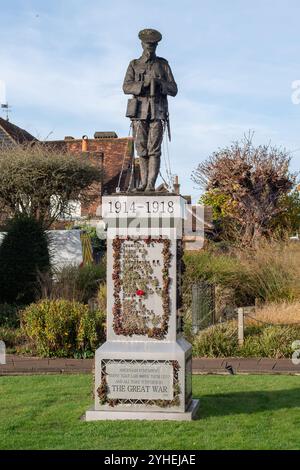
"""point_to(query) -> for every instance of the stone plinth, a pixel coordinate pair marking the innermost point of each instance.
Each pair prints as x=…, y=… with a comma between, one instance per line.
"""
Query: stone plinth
x=143, y=371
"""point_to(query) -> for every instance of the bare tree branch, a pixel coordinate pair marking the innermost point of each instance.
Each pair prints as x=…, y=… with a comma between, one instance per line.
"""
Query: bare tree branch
x=253, y=178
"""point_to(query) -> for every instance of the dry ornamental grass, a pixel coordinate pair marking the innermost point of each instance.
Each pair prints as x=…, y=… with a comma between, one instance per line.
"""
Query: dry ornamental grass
x=277, y=313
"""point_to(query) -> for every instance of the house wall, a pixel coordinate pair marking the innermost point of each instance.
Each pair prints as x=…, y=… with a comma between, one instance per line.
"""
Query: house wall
x=109, y=155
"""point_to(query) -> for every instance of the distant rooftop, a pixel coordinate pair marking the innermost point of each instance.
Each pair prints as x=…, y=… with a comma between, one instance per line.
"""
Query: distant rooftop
x=12, y=134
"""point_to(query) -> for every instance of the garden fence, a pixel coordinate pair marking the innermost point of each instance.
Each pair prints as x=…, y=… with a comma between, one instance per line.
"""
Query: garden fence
x=203, y=305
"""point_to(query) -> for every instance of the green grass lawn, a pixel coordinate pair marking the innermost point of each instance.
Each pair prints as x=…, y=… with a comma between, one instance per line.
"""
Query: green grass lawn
x=237, y=412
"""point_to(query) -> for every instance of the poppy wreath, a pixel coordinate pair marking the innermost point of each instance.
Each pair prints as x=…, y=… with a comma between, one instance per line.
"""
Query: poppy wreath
x=155, y=332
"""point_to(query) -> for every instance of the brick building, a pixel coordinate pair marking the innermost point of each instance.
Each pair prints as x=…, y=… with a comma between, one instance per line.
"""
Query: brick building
x=112, y=155
x=114, y=158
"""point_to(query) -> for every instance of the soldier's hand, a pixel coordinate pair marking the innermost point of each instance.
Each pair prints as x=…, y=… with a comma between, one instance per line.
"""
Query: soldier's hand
x=159, y=83
x=162, y=84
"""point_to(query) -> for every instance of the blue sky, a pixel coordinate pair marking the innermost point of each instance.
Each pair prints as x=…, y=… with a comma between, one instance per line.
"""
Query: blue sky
x=63, y=63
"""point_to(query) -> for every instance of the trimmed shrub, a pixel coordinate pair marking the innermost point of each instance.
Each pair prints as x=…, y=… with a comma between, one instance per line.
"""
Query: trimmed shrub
x=221, y=340
x=62, y=328
x=32, y=174
x=23, y=254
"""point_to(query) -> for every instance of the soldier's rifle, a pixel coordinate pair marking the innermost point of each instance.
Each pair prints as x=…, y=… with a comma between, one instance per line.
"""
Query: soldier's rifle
x=153, y=82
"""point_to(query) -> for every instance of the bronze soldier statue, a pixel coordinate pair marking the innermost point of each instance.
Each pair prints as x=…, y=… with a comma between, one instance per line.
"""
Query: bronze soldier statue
x=149, y=79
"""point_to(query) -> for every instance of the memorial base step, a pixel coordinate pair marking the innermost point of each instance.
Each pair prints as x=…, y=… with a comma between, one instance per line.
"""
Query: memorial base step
x=189, y=415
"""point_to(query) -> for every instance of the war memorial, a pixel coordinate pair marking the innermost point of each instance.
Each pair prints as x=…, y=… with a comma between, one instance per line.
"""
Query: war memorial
x=144, y=369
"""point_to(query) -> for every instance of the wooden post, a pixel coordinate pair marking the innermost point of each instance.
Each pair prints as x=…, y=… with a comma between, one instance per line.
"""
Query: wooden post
x=241, y=326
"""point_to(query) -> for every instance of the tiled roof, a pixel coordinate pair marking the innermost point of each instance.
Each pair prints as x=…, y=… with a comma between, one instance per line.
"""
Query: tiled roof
x=10, y=133
x=4, y=137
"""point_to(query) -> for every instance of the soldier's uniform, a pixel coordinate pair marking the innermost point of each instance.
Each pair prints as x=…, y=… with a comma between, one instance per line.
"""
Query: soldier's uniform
x=149, y=80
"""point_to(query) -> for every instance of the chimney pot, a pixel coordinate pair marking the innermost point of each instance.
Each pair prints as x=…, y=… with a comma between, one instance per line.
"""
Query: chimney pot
x=84, y=143
x=176, y=185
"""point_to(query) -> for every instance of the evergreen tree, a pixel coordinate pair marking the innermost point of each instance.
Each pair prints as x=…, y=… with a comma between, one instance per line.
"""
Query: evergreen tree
x=23, y=254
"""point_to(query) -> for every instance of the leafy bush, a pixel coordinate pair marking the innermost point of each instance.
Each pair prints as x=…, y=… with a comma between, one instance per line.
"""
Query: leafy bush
x=102, y=297
x=62, y=328
x=221, y=340
x=23, y=253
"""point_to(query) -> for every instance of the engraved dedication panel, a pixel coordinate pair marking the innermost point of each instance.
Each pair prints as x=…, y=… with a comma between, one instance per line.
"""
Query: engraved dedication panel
x=139, y=380
x=142, y=283
x=141, y=287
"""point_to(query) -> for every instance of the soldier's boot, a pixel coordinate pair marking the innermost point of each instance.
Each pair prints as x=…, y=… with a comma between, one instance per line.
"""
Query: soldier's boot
x=154, y=164
x=144, y=163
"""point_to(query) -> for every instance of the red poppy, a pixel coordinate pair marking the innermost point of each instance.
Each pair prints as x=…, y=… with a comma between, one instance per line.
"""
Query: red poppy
x=140, y=292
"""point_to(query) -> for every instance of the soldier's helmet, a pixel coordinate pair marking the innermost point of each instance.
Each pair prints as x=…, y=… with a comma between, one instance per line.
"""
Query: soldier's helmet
x=150, y=35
